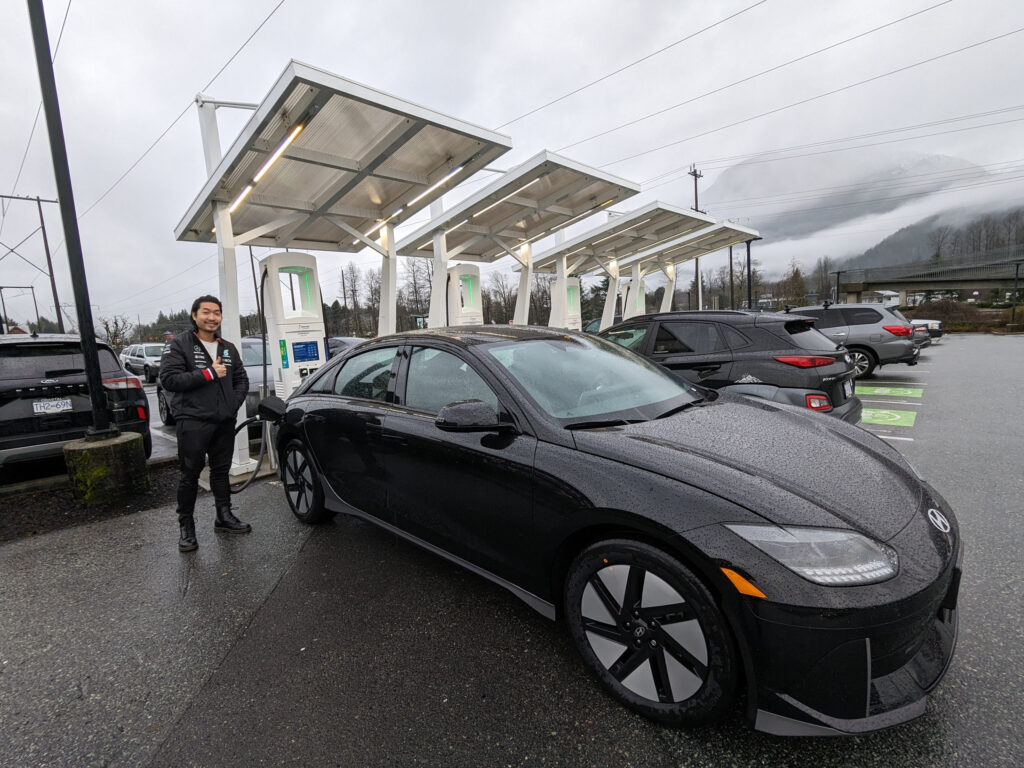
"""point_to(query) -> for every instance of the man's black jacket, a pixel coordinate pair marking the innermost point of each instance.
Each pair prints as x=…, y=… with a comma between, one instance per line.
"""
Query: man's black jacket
x=193, y=390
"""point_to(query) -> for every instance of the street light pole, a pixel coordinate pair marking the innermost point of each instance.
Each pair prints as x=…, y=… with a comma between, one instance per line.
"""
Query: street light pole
x=62, y=175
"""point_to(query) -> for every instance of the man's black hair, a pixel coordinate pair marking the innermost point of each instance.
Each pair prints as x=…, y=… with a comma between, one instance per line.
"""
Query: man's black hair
x=203, y=300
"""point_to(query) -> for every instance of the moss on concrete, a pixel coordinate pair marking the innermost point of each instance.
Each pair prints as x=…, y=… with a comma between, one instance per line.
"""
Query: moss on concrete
x=106, y=470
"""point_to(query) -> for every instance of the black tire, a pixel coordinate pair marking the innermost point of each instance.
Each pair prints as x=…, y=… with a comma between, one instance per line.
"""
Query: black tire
x=147, y=444
x=302, y=485
x=148, y=375
x=864, y=362
x=664, y=651
x=165, y=412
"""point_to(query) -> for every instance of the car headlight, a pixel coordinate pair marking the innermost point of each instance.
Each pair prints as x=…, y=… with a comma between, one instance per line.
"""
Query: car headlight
x=828, y=556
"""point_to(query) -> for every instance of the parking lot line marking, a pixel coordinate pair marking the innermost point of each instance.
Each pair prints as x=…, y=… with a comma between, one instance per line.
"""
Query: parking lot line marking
x=901, y=383
x=891, y=391
x=888, y=418
x=893, y=437
x=890, y=402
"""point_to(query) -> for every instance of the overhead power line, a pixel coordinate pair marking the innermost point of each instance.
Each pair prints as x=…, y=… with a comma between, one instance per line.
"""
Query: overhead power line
x=631, y=64
x=815, y=98
x=678, y=173
x=5, y=204
x=751, y=77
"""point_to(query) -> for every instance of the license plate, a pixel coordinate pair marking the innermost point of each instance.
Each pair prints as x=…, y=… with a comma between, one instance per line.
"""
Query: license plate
x=55, y=405
x=848, y=389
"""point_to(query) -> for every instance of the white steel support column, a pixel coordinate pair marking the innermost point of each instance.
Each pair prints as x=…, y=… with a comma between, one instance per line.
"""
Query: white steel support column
x=634, y=303
x=700, y=288
x=521, y=316
x=437, y=315
x=388, y=282
x=608, y=315
x=230, y=328
x=670, y=287
x=559, y=296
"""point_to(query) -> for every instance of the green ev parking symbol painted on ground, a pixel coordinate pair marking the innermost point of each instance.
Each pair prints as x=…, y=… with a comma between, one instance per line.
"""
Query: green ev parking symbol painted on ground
x=888, y=418
x=890, y=391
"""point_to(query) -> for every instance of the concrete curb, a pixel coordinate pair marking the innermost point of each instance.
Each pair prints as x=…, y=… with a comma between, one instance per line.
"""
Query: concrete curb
x=62, y=481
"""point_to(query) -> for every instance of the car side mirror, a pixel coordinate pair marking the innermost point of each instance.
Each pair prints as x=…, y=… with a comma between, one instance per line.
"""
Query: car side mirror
x=272, y=409
x=469, y=416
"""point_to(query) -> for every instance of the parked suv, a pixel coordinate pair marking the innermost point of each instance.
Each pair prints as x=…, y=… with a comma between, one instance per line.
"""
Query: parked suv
x=143, y=359
x=874, y=335
x=770, y=355
x=44, y=397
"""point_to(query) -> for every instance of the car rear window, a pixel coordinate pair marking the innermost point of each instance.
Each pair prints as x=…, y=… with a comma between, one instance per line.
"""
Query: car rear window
x=803, y=334
x=50, y=360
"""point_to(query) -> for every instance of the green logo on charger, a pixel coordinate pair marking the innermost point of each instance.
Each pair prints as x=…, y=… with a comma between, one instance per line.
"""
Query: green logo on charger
x=284, y=354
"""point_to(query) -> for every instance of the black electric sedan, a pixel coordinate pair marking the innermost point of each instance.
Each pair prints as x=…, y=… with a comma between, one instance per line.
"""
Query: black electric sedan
x=771, y=355
x=697, y=548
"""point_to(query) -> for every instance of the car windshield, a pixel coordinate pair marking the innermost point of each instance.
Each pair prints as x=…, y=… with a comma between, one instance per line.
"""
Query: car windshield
x=154, y=350
x=589, y=379
x=252, y=354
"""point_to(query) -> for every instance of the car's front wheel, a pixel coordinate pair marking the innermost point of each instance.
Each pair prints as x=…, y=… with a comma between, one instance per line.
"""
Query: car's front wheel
x=302, y=485
x=165, y=411
x=863, y=363
x=148, y=374
x=651, y=632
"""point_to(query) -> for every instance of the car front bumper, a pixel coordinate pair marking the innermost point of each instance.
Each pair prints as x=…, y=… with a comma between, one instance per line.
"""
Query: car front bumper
x=859, y=672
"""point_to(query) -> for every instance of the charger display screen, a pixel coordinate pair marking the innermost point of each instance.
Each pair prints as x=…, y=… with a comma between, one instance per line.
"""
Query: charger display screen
x=305, y=351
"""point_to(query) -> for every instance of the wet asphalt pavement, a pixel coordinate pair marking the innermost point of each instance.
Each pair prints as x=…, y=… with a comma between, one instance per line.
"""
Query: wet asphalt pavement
x=343, y=645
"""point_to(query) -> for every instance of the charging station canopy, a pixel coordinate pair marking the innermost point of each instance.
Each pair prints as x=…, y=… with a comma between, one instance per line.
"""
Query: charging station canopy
x=325, y=161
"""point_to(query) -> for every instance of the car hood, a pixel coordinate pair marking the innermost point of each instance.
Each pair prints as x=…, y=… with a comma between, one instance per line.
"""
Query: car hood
x=788, y=466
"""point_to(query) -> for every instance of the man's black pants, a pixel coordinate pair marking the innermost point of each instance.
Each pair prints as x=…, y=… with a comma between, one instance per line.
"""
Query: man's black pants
x=197, y=440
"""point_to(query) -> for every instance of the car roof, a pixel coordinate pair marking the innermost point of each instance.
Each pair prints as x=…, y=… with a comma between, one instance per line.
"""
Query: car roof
x=38, y=338
x=730, y=316
x=471, y=335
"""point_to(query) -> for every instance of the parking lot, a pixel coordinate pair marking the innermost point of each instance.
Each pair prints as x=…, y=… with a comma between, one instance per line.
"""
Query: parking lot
x=343, y=645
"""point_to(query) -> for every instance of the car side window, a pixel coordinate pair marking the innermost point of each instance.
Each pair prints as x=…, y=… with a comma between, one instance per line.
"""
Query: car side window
x=631, y=337
x=831, y=318
x=366, y=375
x=687, y=338
x=437, y=378
x=733, y=338
x=861, y=316
x=325, y=383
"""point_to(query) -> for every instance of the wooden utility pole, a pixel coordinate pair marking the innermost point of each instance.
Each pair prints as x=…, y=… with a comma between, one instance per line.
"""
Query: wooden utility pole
x=696, y=175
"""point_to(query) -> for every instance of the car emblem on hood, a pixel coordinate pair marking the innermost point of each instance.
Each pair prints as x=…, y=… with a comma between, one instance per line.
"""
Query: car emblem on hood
x=938, y=520
x=48, y=381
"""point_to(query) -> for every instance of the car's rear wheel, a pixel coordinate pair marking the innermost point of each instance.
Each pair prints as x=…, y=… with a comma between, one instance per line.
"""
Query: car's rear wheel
x=302, y=485
x=148, y=374
x=863, y=363
x=147, y=444
x=651, y=632
x=165, y=412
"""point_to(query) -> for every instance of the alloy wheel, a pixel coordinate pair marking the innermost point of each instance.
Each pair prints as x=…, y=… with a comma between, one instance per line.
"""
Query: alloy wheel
x=298, y=483
x=644, y=633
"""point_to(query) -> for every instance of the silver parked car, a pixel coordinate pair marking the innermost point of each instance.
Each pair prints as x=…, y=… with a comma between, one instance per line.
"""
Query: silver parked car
x=143, y=359
x=874, y=335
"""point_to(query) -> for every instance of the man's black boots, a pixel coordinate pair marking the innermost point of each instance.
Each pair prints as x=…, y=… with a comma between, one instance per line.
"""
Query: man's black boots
x=187, y=542
x=228, y=523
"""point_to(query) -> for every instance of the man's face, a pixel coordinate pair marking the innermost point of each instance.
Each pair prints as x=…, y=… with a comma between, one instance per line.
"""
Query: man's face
x=207, y=317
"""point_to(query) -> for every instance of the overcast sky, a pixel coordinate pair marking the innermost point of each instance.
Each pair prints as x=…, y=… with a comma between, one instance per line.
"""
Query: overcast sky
x=126, y=70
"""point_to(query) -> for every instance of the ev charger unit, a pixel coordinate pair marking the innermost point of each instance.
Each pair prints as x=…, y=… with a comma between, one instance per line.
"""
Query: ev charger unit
x=464, y=305
x=295, y=318
x=573, y=312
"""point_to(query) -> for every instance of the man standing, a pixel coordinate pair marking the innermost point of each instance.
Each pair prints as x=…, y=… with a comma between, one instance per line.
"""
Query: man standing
x=206, y=384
